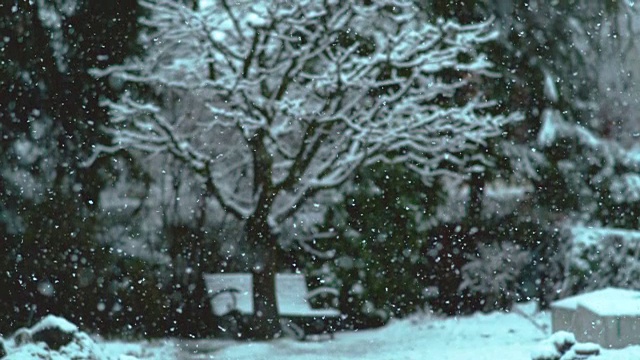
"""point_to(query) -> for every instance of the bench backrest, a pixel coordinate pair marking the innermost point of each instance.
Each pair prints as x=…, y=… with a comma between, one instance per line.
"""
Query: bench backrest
x=292, y=293
x=230, y=291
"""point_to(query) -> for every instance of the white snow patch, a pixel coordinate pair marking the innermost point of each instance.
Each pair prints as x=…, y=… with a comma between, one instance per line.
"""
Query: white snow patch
x=592, y=236
x=550, y=90
x=492, y=336
x=549, y=130
x=479, y=337
x=605, y=302
x=52, y=321
x=545, y=350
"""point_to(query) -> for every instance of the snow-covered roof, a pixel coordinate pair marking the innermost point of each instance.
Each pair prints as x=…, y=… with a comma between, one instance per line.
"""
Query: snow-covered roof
x=605, y=302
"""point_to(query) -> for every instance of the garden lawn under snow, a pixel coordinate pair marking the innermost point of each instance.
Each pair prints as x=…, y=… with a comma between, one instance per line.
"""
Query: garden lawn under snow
x=478, y=337
x=499, y=335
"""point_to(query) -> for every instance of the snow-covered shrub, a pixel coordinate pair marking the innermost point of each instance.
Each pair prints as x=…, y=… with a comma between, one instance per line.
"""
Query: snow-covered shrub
x=562, y=345
x=22, y=336
x=494, y=274
x=587, y=174
x=600, y=258
x=554, y=347
x=43, y=341
x=545, y=351
x=54, y=331
x=54, y=338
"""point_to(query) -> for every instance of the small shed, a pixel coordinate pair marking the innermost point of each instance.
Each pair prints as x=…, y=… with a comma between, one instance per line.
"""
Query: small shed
x=609, y=317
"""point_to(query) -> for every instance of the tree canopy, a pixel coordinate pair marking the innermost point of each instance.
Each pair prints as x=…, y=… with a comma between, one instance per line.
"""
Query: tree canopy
x=272, y=103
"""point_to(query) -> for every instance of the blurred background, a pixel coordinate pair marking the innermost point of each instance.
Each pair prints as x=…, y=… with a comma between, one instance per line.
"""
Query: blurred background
x=119, y=247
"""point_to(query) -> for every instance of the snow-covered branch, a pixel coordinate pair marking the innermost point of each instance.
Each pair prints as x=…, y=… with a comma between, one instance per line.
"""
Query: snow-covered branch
x=272, y=102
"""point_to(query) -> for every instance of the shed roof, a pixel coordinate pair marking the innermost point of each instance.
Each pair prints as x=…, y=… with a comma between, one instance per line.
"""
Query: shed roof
x=604, y=302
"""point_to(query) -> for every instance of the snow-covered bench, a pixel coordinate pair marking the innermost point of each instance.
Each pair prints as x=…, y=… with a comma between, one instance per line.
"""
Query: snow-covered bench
x=232, y=294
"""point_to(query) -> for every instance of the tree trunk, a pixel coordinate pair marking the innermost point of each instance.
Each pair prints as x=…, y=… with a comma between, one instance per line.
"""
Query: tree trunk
x=266, y=321
x=476, y=194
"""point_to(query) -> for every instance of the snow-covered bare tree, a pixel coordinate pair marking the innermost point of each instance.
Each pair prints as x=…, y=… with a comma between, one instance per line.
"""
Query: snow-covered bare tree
x=270, y=103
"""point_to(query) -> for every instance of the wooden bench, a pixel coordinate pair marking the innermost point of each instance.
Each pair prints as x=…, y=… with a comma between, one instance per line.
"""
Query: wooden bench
x=231, y=294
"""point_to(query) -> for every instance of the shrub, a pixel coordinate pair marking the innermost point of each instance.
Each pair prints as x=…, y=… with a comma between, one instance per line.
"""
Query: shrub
x=599, y=258
x=494, y=275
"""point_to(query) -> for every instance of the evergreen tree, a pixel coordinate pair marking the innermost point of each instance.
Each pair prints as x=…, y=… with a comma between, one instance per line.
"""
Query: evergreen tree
x=570, y=61
x=49, y=117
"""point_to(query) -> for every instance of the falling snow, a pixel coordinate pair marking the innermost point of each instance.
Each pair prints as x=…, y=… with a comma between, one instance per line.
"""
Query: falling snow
x=435, y=175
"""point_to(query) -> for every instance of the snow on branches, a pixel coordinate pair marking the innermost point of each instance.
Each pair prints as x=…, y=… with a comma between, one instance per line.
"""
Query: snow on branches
x=271, y=102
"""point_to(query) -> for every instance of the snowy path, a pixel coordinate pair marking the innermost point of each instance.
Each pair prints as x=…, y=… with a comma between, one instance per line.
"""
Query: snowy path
x=479, y=337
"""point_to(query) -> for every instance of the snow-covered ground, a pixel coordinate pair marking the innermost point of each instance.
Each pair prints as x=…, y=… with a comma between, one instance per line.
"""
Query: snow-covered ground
x=513, y=335
x=499, y=335
x=55, y=338
x=482, y=336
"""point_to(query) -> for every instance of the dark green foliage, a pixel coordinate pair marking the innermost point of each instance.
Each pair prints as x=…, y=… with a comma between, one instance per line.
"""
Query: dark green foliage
x=383, y=264
x=493, y=276
x=505, y=260
x=405, y=264
x=579, y=174
x=589, y=175
x=537, y=41
x=49, y=117
x=54, y=337
x=192, y=252
x=608, y=258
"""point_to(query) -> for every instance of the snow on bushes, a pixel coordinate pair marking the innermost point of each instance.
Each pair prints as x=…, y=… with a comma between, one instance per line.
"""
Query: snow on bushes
x=54, y=331
x=562, y=345
x=592, y=247
x=55, y=338
x=494, y=275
